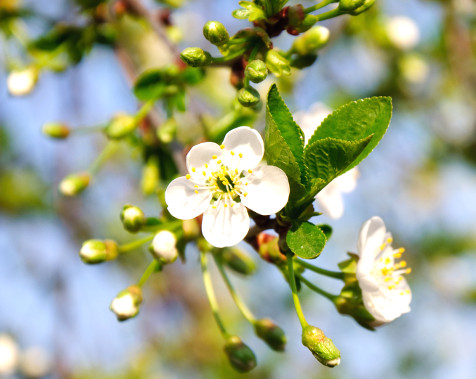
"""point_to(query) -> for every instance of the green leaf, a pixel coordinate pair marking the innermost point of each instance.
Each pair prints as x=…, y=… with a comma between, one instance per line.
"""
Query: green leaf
x=150, y=85
x=255, y=12
x=326, y=229
x=328, y=158
x=355, y=121
x=284, y=143
x=306, y=240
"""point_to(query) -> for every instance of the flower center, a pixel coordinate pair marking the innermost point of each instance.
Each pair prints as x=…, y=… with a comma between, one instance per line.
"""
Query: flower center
x=388, y=269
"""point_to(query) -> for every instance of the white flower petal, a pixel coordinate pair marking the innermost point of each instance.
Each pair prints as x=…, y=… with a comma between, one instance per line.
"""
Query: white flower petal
x=201, y=155
x=248, y=143
x=183, y=203
x=267, y=190
x=372, y=235
x=331, y=202
x=225, y=226
x=309, y=121
x=386, y=307
x=348, y=181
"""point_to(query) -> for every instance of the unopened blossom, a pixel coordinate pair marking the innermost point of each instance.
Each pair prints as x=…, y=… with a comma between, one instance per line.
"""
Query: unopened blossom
x=403, y=32
x=126, y=304
x=9, y=355
x=164, y=246
x=330, y=199
x=385, y=292
x=225, y=180
x=22, y=82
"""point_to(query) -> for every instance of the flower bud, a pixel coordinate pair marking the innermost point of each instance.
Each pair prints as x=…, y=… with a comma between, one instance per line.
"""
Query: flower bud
x=216, y=33
x=98, y=251
x=132, y=218
x=299, y=21
x=248, y=97
x=74, y=184
x=9, y=355
x=277, y=64
x=311, y=41
x=256, y=71
x=355, y=7
x=167, y=131
x=164, y=247
x=238, y=261
x=120, y=126
x=241, y=357
x=196, y=57
x=126, y=304
x=270, y=333
x=56, y=130
x=22, y=82
x=320, y=346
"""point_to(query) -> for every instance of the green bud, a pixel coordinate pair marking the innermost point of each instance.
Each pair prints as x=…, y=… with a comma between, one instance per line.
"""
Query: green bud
x=277, y=64
x=311, y=41
x=270, y=333
x=256, y=71
x=298, y=20
x=132, y=218
x=196, y=57
x=216, y=33
x=354, y=307
x=238, y=261
x=350, y=5
x=241, y=357
x=320, y=346
x=120, y=126
x=248, y=97
x=55, y=130
x=366, y=5
x=126, y=304
x=166, y=131
x=74, y=184
x=150, y=176
x=98, y=251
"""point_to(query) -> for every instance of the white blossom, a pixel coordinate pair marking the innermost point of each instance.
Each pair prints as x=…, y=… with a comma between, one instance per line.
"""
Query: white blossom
x=385, y=292
x=125, y=305
x=164, y=246
x=9, y=355
x=22, y=82
x=225, y=180
x=330, y=199
x=403, y=32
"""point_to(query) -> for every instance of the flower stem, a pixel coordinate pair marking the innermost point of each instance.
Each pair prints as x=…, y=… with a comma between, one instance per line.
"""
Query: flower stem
x=144, y=111
x=151, y=268
x=327, y=15
x=80, y=130
x=207, y=281
x=292, y=281
x=105, y=154
x=319, y=6
x=331, y=274
x=229, y=57
x=239, y=303
x=135, y=244
x=315, y=288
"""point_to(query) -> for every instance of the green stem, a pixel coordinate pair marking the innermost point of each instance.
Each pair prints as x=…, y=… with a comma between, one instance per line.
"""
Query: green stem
x=144, y=111
x=327, y=15
x=105, y=154
x=331, y=274
x=315, y=288
x=80, y=130
x=239, y=303
x=135, y=244
x=151, y=268
x=207, y=281
x=292, y=281
x=319, y=6
x=229, y=57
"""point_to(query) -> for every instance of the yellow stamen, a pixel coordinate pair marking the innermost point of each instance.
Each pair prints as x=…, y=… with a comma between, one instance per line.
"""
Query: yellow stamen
x=193, y=169
x=245, y=194
x=391, y=287
x=225, y=205
x=408, y=270
x=222, y=147
x=389, y=240
x=196, y=191
x=250, y=171
x=188, y=176
x=214, y=157
x=240, y=155
x=403, y=264
x=232, y=152
x=219, y=161
x=206, y=165
x=204, y=173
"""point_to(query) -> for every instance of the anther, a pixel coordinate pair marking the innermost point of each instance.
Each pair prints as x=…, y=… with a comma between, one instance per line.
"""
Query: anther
x=232, y=152
x=193, y=169
x=214, y=157
x=250, y=171
x=204, y=173
x=206, y=165
x=196, y=192
x=188, y=176
x=222, y=147
x=240, y=155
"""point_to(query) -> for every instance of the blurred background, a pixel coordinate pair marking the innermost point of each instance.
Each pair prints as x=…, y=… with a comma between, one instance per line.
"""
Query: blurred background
x=421, y=179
